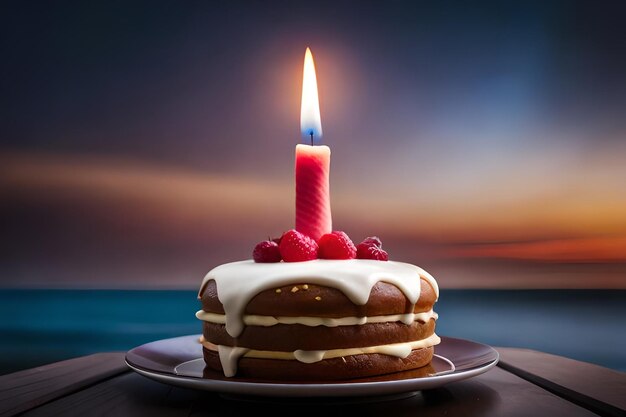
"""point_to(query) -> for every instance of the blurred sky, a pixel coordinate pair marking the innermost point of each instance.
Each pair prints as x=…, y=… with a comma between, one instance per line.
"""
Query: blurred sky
x=143, y=143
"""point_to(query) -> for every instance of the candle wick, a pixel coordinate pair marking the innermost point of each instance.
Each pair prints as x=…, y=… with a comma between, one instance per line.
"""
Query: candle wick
x=311, y=138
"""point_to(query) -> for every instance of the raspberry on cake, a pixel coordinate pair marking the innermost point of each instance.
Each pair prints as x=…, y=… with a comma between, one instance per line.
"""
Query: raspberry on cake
x=266, y=251
x=371, y=250
x=320, y=319
x=336, y=245
x=297, y=247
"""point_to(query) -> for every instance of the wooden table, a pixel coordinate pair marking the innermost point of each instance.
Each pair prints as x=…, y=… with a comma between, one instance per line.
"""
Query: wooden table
x=525, y=383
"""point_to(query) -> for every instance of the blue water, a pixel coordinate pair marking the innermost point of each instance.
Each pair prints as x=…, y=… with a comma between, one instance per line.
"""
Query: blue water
x=43, y=326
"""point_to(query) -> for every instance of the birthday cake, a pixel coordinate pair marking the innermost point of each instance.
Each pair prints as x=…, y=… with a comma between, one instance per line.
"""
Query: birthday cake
x=303, y=310
x=311, y=305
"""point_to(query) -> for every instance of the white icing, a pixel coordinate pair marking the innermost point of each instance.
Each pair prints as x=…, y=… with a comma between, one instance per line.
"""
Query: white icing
x=238, y=282
x=267, y=321
x=400, y=350
x=229, y=356
x=309, y=356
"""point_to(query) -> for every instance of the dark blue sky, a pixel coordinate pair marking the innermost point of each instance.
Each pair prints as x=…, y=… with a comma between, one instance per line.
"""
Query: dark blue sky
x=207, y=83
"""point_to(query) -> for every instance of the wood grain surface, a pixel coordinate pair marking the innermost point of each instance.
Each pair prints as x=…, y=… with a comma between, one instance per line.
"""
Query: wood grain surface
x=597, y=388
x=102, y=385
x=30, y=388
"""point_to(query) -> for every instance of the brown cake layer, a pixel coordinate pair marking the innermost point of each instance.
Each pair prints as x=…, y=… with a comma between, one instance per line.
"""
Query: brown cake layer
x=348, y=367
x=290, y=337
x=320, y=301
x=310, y=300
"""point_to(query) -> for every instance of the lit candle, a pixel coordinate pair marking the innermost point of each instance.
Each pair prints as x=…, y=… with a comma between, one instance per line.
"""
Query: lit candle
x=313, y=216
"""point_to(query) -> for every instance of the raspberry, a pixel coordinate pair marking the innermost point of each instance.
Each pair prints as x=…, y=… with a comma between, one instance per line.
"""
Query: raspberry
x=373, y=240
x=266, y=251
x=297, y=247
x=370, y=251
x=336, y=245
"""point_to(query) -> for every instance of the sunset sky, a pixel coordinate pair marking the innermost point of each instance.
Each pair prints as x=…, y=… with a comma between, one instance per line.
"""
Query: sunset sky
x=142, y=144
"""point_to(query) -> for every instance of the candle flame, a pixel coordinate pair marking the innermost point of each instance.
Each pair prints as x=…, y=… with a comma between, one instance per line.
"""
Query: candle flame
x=310, y=122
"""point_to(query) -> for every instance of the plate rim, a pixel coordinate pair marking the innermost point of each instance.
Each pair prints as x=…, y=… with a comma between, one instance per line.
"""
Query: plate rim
x=314, y=389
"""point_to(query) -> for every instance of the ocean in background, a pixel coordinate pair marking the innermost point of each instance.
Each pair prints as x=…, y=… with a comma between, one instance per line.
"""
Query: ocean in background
x=43, y=326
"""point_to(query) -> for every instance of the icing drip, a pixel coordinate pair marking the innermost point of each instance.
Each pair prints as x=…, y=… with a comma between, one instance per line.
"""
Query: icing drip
x=400, y=350
x=229, y=357
x=238, y=282
x=309, y=356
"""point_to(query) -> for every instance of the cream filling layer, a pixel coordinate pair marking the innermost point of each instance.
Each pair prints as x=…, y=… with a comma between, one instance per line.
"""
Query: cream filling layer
x=229, y=355
x=267, y=321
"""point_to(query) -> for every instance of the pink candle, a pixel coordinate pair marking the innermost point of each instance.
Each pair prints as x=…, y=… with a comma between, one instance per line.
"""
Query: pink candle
x=312, y=162
x=313, y=190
